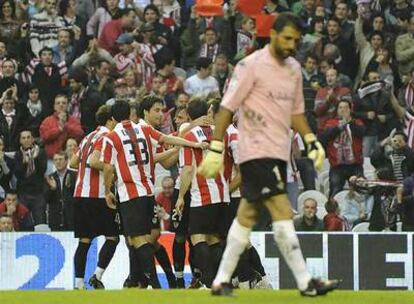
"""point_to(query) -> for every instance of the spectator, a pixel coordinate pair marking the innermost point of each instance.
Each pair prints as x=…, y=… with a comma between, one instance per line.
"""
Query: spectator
x=367, y=49
x=114, y=29
x=46, y=76
x=9, y=24
x=6, y=170
x=394, y=9
x=333, y=221
x=21, y=218
x=210, y=46
x=222, y=71
x=165, y=64
x=327, y=98
x=405, y=203
x=341, y=12
x=35, y=107
x=6, y=223
x=13, y=118
x=74, y=22
x=44, y=27
x=65, y=49
x=127, y=58
x=310, y=69
x=101, y=80
x=164, y=198
x=60, y=126
x=31, y=163
x=71, y=147
x=61, y=184
x=309, y=221
x=404, y=50
x=103, y=15
x=202, y=83
x=343, y=138
x=407, y=116
x=356, y=207
x=85, y=100
x=373, y=107
x=162, y=32
x=394, y=155
x=345, y=47
x=246, y=38
x=8, y=77
x=326, y=64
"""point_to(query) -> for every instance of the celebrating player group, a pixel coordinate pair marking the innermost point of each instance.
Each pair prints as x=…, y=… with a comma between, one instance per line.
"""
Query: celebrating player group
x=232, y=159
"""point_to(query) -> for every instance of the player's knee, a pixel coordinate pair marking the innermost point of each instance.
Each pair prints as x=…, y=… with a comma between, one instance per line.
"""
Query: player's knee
x=279, y=208
x=247, y=218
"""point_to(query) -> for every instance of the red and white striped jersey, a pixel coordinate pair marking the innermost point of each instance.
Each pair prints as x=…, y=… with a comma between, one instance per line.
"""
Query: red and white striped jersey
x=129, y=148
x=409, y=128
x=203, y=191
x=231, y=140
x=89, y=182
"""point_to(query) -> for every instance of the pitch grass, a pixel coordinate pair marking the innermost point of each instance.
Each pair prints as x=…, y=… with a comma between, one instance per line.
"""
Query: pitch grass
x=200, y=297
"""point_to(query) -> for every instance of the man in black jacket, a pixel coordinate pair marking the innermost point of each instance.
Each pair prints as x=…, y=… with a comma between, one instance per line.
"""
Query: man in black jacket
x=60, y=194
x=31, y=163
x=85, y=100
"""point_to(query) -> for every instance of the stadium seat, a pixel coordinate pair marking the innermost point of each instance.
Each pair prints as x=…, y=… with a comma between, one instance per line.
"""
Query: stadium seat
x=42, y=228
x=361, y=227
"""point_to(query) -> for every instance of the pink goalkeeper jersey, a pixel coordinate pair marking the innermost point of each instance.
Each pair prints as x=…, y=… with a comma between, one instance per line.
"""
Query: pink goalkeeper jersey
x=266, y=94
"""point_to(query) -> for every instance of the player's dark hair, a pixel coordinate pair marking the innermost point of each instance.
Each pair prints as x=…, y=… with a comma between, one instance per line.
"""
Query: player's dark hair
x=103, y=114
x=197, y=108
x=287, y=19
x=147, y=103
x=121, y=110
x=214, y=103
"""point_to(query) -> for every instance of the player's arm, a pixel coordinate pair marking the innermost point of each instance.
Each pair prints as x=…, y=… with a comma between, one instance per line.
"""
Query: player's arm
x=236, y=180
x=95, y=161
x=185, y=182
x=167, y=158
x=110, y=199
x=315, y=149
x=178, y=141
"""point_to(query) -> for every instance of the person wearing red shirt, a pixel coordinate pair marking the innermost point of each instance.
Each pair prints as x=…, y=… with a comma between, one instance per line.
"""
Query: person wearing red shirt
x=333, y=221
x=163, y=200
x=114, y=29
x=21, y=216
x=57, y=128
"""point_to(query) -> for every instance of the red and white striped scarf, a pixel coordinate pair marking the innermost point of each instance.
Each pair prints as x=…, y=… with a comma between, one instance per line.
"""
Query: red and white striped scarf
x=409, y=94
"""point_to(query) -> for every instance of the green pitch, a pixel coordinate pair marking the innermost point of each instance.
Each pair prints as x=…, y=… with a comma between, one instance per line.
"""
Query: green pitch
x=200, y=297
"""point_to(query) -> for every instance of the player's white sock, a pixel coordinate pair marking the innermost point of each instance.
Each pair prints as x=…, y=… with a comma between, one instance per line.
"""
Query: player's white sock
x=237, y=241
x=99, y=273
x=79, y=283
x=288, y=243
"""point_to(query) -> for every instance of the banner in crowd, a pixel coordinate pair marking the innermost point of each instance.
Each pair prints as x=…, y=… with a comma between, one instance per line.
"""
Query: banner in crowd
x=363, y=261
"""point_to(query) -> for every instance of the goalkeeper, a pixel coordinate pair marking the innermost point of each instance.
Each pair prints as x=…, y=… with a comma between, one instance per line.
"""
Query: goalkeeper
x=267, y=89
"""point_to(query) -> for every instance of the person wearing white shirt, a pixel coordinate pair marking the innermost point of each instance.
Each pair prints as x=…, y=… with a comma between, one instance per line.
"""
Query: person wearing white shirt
x=202, y=83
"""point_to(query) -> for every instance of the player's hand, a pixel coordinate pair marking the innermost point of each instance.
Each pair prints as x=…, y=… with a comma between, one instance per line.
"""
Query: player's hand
x=179, y=205
x=202, y=145
x=315, y=150
x=213, y=162
x=110, y=200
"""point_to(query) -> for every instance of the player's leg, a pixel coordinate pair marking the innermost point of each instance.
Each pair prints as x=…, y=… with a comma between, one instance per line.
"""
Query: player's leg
x=202, y=255
x=179, y=224
x=81, y=254
x=237, y=241
x=137, y=217
x=84, y=233
x=107, y=224
x=162, y=257
x=288, y=244
x=195, y=269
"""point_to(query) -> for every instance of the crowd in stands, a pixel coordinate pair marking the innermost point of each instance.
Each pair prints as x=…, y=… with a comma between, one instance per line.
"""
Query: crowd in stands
x=60, y=60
